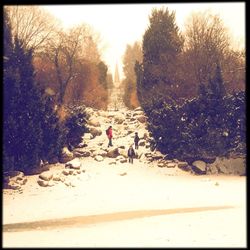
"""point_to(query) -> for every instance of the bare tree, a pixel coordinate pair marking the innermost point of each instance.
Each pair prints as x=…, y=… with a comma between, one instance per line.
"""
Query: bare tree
x=32, y=25
x=206, y=43
x=68, y=50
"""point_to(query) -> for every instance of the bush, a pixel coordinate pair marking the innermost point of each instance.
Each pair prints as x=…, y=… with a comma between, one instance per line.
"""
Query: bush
x=200, y=127
x=75, y=125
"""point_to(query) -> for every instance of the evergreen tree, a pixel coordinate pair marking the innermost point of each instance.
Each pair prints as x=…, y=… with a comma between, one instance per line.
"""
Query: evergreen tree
x=54, y=134
x=23, y=114
x=161, y=44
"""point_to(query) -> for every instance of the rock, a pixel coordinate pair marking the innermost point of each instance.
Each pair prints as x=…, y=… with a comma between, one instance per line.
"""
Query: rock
x=113, y=153
x=95, y=131
x=81, y=152
x=65, y=172
x=100, y=152
x=228, y=166
x=75, y=164
x=156, y=157
x=199, y=167
x=51, y=183
x=46, y=176
x=71, y=171
x=87, y=136
x=171, y=165
x=66, y=155
x=94, y=122
x=161, y=165
x=138, y=109
x=99, y=158
x=183, y=165
x=142, y=143
x=112, y=163
x=122, y=174
x=14, y=173
x=42, y=183
x=56, y=177
x=119, y=119
x=122, y=147
x=123, y=153
x=142, y=119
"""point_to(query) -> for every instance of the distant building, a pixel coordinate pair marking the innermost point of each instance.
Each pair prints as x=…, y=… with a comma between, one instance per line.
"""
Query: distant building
x=116, y=77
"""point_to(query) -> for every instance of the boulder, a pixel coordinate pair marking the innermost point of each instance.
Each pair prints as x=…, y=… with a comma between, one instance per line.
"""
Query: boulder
x=46, y=176
x=65, y=172
x=138, y=109
x=171, y=165
x=99, y=158
x=42, y=183
x=94, y=122
x=224, y=165
x=123, y=152
x=113, y=153
x=119, y=119
x=81, y=152
x=183, y=165
x=199, y=167
x=142, y=119
x=87, y=136
x=66, y=155
x=161, y=164
x=100, y=152
x=56, y=177
x=95, y=131
x=74, y=164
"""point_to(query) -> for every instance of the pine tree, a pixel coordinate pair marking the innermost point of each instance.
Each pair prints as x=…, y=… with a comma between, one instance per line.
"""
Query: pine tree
x=23, y=113
x=161, y=44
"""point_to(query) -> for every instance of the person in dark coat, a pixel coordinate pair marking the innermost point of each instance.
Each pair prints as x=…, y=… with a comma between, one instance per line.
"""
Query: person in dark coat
x=110, y=135
x=136, y=140
x=131, y=154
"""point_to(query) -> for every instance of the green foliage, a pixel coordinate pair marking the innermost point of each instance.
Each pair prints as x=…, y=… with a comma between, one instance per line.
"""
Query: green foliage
x=75, y=125
x=54, y=132
x=22, y=116
x=161, y=44
x=31, y=128
x=200, y=128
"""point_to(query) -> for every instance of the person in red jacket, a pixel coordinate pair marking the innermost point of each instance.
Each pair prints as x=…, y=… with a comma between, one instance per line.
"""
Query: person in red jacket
x=110, y=135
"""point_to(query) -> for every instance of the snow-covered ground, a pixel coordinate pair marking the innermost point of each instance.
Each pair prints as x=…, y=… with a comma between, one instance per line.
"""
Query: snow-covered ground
x=125, y=205
x=143, y=208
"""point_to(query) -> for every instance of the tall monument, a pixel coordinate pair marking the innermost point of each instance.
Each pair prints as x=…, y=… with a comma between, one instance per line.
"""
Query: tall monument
x=116, y=78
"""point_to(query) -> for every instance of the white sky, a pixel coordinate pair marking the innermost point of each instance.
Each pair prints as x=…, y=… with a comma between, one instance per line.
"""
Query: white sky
x=122, y=24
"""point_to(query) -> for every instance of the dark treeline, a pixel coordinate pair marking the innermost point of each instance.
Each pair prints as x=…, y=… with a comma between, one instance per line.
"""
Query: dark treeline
x=192, y=87
x=50, y=75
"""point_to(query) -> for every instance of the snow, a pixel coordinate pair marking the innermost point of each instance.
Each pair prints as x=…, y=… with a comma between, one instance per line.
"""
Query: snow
x=127, y=205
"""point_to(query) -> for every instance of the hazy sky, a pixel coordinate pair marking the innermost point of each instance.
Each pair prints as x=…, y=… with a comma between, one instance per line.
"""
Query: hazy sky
x=122, y=24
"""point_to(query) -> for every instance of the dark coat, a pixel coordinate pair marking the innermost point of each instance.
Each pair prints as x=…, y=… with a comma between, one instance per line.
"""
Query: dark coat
x=131, y=152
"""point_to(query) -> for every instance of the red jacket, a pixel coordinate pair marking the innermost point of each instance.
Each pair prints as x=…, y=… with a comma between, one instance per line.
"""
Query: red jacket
x=110, y=135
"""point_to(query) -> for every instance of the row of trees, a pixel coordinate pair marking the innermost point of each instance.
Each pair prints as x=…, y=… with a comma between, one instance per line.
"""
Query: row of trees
x=191, y=86
x=67, y=62
x=175, y=63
